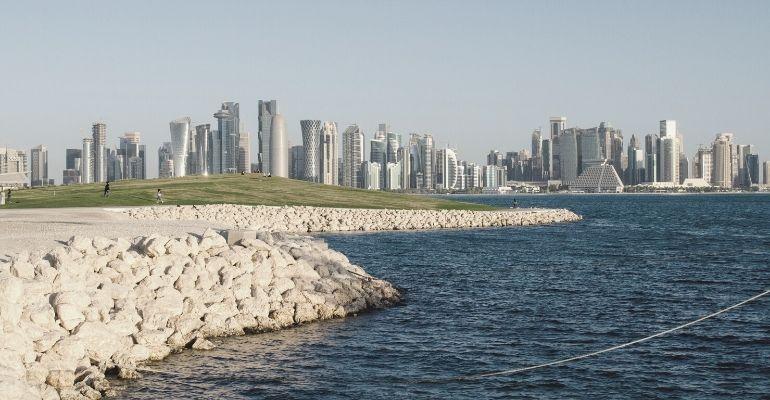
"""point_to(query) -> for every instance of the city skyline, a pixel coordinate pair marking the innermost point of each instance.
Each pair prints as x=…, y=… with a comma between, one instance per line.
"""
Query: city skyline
x=475, y=81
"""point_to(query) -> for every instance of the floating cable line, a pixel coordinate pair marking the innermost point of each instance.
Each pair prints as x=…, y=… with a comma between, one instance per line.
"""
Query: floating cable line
x=596, y=353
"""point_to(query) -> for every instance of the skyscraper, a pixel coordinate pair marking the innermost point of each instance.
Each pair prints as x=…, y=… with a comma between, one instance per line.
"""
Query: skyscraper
x=428, y=155
x=766, y=173
x=722, y=160
x=297, y=162
x=228, y=123
x=352, y=155
x=668, y=152
x=71, y=173
x=635, y=170
x=311, y=134
x=203, y=149
x=180, y=140
x=38, y=158
x=378, y=153
x=393, y=143
x=279, y=146
x=547, y=159
x=405, y=162
x=132, y=153
x=328, y=154
x=165, y=161
x=267, y=109
x=557, y=125
x=370, y=175
x=702, y=164
x=568, y=156
x=99, y=158
x=751, y=176
x=244, y=152
x=651, y=157
x=87, y=161
x=590, y=150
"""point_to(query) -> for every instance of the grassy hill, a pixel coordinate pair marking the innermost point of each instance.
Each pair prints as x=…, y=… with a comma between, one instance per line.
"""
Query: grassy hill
x=253, y=189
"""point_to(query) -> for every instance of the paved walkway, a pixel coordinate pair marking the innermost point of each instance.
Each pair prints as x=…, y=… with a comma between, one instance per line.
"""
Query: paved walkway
x=45, y=228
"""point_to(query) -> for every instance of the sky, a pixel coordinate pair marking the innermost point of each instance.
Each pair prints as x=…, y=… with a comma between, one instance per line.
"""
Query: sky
x=477, y=75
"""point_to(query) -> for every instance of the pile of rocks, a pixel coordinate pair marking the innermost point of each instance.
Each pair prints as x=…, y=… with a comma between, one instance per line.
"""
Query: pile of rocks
x=72, y=316
x=318, y=219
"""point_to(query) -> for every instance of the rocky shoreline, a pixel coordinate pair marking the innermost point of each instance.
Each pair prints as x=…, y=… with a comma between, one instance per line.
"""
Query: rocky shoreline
x=98, y=307
x=299, y=219
x=95, y=307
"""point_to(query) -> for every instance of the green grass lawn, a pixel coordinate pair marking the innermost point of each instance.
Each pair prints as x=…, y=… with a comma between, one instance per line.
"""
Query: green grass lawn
x=253, y=189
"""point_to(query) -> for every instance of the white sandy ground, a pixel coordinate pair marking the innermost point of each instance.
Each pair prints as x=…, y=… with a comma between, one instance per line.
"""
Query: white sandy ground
x=46, y=228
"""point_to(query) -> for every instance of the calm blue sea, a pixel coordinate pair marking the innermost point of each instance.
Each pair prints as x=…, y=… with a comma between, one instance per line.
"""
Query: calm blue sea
x=494, y=299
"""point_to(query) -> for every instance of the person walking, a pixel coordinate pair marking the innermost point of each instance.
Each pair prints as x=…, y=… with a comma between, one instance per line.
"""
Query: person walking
x=159, y=197
x=107, y=189
x=8, y=196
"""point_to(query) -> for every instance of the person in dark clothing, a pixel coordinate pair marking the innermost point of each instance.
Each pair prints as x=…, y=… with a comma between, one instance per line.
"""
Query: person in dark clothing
x=8, y=196
x=107, y=189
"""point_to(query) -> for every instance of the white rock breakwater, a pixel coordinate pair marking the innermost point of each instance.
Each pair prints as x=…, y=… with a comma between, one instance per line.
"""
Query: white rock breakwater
x=319, y=219
x=73, y=315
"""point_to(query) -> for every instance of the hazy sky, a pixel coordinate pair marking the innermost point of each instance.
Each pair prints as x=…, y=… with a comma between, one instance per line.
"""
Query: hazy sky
x=476, y=74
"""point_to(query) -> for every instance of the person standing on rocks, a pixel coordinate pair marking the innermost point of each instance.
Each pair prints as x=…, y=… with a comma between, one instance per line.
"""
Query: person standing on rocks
x=159, y=197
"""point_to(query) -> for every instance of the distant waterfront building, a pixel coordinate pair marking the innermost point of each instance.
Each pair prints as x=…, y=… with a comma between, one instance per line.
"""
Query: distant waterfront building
x=297, y=162
x=651, y=158
x=446, y=169
x=38, y=160
x=635, y=170
x=722, y=161
x=352, y=156
x=311, y=134
x=328, y=154
x=180, y=140
x=392, y=176
x=244, y=152
x=557, y=125
x=668, y=152
x=131, y=156
x=228, y=138
x=495, y=158
x=703, y=164
x=203, y=153
x=165, y=161
x=600, y=177
x=751, y=175
x=494, y=176
x=87, y=161
x=279, y=147
x=568, y=156
x=590, y=150
x=427, y=155
x=547, y=159
x=405, y=164
x=393, y=144
x=267, y=110
x=370, y=174
x=766, y=173
x=99, y=154
x=71, y=173
x=378, y=153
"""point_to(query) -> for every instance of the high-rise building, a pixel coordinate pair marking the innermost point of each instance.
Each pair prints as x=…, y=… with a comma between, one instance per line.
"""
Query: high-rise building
x=99, y=158
x=428, y=156
x=684, y=168
x=702, y=165
x=568, y=156
x=635, y=169
x=446, y=169
x=38, y=158
x=616, y=153
x=267, y=110
x=352, y=156
x=328, y=153
x=229, y=125
x=71, y=173
x=244, y=152
x=405, y=162
x=370, y=175
x=557, y=125
x=87, y=161
x=651, y=158
x=297, y=162
x=378, y=153
x=311, y=135
x=547, y=159
x=165, y=161
x=722, y=160
x=203, y=152
x=766, y=173
x=279, y=146
x=668, y=152
x=751, y=176
x=590, y=150
x=392, y=176
x=180, y=140
x=495, y=158
x=133, y=156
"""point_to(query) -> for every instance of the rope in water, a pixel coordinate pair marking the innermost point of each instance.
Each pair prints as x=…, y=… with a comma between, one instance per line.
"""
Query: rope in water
x=595, y=353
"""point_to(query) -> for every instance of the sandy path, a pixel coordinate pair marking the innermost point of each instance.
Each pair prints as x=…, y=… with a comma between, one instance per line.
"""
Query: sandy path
x=45, y=228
